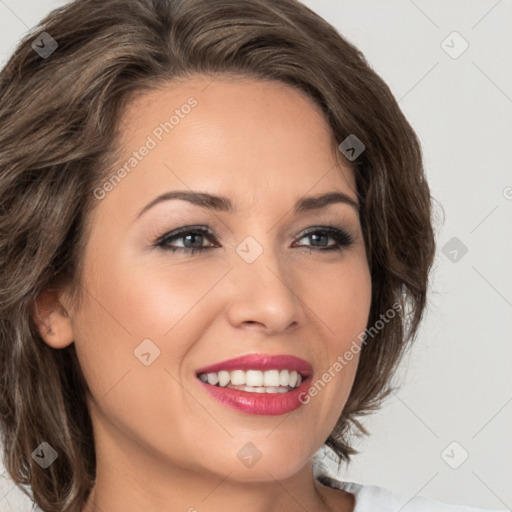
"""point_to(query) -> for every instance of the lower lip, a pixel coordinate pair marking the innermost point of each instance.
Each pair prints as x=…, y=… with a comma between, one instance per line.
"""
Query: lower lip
x=269, y=404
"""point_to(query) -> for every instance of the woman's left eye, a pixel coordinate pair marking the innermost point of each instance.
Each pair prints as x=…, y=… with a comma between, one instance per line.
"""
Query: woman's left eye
x=340, y=236
x=193, y=239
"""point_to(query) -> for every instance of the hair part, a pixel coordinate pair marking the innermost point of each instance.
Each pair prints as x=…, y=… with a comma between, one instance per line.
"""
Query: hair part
x=59, y=133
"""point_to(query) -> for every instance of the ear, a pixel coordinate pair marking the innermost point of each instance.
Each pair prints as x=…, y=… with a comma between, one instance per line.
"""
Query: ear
x=52, y=318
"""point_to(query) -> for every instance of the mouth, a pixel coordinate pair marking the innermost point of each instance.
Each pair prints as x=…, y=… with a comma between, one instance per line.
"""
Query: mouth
x=258, y=384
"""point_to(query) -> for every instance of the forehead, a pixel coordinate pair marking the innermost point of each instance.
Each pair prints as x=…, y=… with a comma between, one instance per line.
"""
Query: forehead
x=237, y=137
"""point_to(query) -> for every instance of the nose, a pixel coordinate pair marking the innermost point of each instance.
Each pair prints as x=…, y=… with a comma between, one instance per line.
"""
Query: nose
x=263, y=293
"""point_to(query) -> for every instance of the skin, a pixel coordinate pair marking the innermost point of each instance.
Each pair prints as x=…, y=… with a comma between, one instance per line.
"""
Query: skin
x=162, y=443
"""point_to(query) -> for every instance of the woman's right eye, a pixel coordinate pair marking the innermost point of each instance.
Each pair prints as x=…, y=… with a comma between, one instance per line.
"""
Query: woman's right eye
x=192, y=237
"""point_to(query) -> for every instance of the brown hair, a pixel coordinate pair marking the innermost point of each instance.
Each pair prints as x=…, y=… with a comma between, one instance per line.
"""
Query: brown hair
x=59, y=121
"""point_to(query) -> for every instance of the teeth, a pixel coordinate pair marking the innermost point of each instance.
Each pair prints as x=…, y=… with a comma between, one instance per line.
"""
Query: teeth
x=284, y=377
x=237, y=377
x=213, y=378
x=223, y=378
x=256, y=381
x=271, y=378
x=254, y=378
x=260, y=389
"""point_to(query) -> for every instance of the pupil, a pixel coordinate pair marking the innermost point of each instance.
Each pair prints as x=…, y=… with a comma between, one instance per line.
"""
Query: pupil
x=193, y=235
x=316, y=236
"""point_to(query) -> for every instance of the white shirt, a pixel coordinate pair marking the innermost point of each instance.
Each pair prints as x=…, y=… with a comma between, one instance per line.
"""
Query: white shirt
x=372, y=498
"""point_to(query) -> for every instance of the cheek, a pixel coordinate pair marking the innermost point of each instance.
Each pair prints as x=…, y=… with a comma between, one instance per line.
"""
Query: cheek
x=128, y=302
x=340, y=296
x=123, y=308
x=149, y=298
x=343, y=307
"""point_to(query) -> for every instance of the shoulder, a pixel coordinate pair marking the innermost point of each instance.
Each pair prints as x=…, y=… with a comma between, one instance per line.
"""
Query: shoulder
x=368, y=497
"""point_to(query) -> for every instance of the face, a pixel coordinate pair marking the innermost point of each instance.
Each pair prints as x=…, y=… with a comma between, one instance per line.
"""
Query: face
x=181, y=288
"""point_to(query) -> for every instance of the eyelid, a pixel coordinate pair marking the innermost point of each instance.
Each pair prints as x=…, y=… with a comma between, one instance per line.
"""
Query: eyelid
x=175, y=233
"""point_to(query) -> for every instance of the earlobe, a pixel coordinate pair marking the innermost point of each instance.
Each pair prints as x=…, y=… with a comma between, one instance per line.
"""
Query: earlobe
x=52, y=319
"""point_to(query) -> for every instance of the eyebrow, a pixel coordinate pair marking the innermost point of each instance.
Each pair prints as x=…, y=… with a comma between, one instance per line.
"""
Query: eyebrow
x=223, y=204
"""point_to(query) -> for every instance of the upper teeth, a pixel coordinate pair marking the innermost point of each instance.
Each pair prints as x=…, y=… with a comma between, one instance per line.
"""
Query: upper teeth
x=257, y=378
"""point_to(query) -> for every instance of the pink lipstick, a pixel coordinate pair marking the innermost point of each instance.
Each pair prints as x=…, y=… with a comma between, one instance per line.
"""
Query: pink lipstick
x=257, y=383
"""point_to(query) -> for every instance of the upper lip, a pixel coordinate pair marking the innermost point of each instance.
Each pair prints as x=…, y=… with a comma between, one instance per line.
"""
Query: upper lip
x=261, y=362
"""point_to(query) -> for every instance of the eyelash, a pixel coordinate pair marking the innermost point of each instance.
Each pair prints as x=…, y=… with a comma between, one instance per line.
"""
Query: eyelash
x=342, y=238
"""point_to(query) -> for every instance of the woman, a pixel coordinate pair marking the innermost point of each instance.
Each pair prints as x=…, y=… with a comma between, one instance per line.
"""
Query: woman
x=215, y=246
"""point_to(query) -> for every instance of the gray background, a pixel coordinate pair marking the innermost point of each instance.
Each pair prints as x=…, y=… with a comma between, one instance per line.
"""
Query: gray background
x=456, y=383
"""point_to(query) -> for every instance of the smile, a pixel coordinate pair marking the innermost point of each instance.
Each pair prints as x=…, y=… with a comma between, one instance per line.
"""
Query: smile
x=258, y=384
